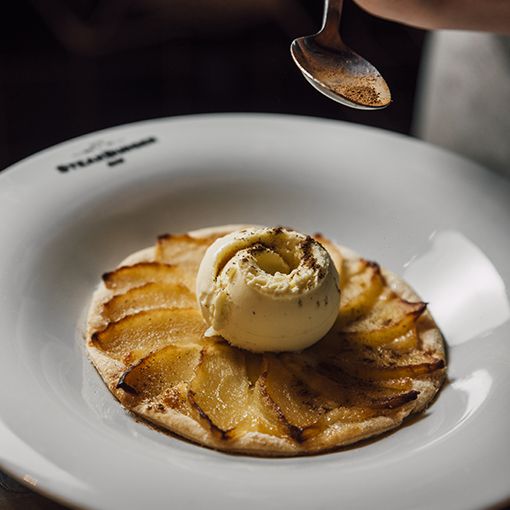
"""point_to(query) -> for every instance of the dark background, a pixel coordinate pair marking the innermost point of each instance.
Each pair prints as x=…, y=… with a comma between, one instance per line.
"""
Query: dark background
x=69, y=67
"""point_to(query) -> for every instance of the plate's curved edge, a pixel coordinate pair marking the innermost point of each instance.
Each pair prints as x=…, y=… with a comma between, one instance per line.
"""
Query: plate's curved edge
x=242, y=116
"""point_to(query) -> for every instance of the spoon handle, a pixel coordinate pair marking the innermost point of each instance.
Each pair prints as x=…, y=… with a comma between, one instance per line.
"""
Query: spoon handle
x=329, y=35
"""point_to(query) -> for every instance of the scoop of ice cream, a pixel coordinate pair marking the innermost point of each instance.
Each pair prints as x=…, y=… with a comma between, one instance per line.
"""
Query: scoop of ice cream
x=268, y=289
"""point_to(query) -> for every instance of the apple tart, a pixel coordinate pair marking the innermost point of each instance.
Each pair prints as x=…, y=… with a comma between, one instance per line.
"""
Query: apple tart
x=382, y=361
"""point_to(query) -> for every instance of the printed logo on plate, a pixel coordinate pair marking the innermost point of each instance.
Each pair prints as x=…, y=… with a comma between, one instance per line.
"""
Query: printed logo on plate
x=111, y=152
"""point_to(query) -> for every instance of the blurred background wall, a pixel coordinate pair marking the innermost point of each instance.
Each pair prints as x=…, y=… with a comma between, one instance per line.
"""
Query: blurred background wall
x=69, y=67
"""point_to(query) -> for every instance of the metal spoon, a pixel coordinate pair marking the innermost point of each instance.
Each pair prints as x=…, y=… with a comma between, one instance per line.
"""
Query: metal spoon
x=335, y=70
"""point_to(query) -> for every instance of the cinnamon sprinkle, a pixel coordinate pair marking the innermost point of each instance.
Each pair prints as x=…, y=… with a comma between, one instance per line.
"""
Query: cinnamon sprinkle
x=362, y=94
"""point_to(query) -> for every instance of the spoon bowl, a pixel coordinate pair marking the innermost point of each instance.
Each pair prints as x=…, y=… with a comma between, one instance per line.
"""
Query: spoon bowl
x=337, y=71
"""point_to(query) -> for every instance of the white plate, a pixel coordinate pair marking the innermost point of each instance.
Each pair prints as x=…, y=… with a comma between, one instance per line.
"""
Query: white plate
x=434, y=217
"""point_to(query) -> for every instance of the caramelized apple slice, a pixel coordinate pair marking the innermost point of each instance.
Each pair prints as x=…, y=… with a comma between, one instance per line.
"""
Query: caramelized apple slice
x=345, y=415
x=128, y=277
x=262, y=416
x=220, y=389
x=352, y=267
x=161, y=371
x=360, y=291
x=309, y=408
x=348, y=399
x=366, y=393
x=295, y=403
x=255, y=366
x=396, y=372
x=406, y=342
x=146, y=297
x=336, y=399
x=390, y=318
x=182, y=249
x=331, y=394
x=335, y=341
x=367, y=362
x=135, y=336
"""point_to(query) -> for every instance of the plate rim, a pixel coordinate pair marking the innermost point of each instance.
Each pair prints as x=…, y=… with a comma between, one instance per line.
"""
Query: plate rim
x=29, y=160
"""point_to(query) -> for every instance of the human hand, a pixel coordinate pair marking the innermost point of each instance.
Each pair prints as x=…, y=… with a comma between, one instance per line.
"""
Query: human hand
x=482, y=15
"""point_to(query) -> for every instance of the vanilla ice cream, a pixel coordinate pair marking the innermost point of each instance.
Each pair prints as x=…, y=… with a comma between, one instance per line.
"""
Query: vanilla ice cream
x=268, y=289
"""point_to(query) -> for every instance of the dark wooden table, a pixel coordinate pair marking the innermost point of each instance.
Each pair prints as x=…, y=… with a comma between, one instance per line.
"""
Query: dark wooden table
x=14, y=496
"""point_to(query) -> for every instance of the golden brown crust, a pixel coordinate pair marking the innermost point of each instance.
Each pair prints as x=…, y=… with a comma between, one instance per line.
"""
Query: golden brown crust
x=256, y=443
